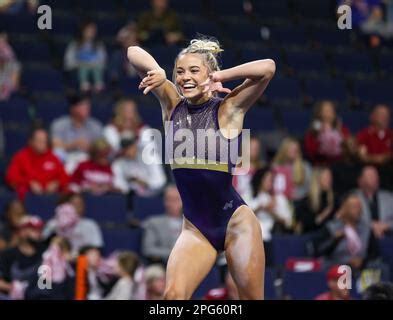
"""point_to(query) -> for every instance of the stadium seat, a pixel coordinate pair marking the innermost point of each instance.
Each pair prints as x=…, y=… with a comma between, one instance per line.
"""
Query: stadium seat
x=121, y=239
x=355, y=120
x=326, y=88
x=270, y=278
x=41, y=205
x=146, y=207
x=15, y=110
x=288, y=246
x=108, y=208
x=296, y=121
x=5, y=198
x=260, y=119
x=375, y=91
x=281, y=88
x=386, y=248
x=211, y=281
x=304, y=285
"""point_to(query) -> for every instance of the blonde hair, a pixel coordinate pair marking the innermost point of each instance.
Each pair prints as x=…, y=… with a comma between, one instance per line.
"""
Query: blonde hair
x=315, y=191
x=208, y=48
x=118, y=111
x=297, y=166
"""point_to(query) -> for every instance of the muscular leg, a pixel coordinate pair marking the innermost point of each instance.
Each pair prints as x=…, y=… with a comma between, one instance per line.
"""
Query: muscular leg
x=245, y=254
x=189, y=262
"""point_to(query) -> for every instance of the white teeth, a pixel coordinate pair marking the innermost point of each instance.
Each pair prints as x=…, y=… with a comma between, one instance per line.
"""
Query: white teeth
x=189, y=86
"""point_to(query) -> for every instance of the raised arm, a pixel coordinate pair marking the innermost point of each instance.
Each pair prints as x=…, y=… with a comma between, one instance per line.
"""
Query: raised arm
x=257, y=75
x=154, y=78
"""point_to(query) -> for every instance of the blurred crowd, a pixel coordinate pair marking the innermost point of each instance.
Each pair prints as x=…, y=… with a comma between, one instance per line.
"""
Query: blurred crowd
x=330, y=184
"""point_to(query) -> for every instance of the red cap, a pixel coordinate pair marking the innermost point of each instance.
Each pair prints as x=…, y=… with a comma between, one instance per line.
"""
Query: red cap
x=33, y=222
x=334, y=273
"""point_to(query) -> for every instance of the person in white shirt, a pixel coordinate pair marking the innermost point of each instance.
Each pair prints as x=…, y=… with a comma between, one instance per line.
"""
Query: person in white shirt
x=131, y=173
x=272, y=210
x=127, y=263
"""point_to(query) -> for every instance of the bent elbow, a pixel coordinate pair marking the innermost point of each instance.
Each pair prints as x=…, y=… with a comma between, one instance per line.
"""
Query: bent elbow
x=131, y=50
x=271, y=68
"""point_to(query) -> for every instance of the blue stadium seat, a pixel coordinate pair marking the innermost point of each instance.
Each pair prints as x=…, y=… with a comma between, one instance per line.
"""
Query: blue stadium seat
x=44, y=80
x=355, y=120
x=296, y=121
x=353, y=62
x=331, y=36
x=281, y=88
x=375, y=91
x=211, y=281
x=386, y=248
x=15, y=110
x=41, y=205
x=311, y=9
x=47, y=111
x=260, y=119
x=5, y=198
x=146, y=207
x=151, y=115
x=64, y=25
x=31, y=51
x=270, y=290
x=268, y=9
x=386, y=63
x=332, y=89
x=15, y=139
x=284, y=36
x=307, y=61
x=19, y=23
x=122, y=239
x=304, y=285
x=288, y=246
x=108, y=208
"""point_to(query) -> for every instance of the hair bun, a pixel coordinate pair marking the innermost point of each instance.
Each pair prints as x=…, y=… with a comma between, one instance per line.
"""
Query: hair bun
x=205, y=45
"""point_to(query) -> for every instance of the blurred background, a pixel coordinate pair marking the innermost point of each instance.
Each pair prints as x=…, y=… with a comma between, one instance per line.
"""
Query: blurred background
x=76, y=196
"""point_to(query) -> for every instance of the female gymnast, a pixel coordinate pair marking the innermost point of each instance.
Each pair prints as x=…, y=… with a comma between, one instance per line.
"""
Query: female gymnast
x=215, y=216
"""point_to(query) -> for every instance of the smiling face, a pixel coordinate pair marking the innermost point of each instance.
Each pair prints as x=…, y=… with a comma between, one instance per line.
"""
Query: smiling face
x=191, y=71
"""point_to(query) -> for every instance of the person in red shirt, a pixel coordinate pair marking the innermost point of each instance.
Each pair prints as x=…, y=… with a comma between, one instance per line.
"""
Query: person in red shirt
x=335, y=292
x=94, y=175
x=376, y=141
x=324, y=141
x=36, y=169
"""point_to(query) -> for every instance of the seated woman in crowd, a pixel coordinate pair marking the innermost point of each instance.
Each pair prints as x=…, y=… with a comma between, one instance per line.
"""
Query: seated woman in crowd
x=324, y=141
x=318, y=207
x=291, y=173
x=272, y=210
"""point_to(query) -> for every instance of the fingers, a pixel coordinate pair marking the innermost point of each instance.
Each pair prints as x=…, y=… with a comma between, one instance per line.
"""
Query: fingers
x=147, y=90
x=225, y=90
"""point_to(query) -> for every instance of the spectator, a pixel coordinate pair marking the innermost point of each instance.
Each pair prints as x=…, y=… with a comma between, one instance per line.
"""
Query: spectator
x=90, y=284
x=325, y=140
x=272, y=210
x=162, y=231
x=58, y=258
x=14, y=213
x=127, y=263
x=18, y=6
x=132, y=174
x=94, y=175
x=361, y=10
x=87, y=56
x=376, y=141
x=292, y=173
x=21, y=263
x=377, y=204
x=345, y=240
x=242, y=181
x=318, y=207
x=126, y=123
x=155, y=282
x=160, y=25
x=119, y=67
x=335, y=292
x=379, y=291
x=70, y=224
x=73, y=134
x=9, y=68
x=36, y=169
